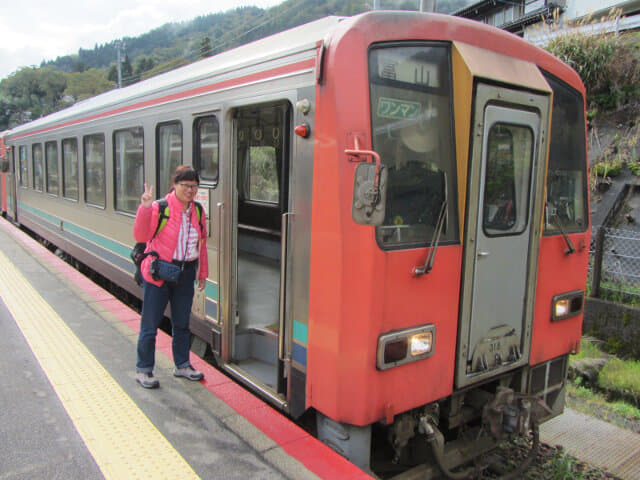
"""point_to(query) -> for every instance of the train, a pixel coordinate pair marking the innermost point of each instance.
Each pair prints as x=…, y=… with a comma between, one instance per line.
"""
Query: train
x=398, y=216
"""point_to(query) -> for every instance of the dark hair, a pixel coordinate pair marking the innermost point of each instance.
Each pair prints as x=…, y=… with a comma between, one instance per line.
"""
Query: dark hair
x=185, y=172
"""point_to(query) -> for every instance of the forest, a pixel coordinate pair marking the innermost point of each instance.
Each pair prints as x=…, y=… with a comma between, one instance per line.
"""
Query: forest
x=32, y=92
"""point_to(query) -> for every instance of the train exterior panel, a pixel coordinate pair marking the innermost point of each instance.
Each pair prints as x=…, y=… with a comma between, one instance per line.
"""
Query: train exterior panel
x=398, y=219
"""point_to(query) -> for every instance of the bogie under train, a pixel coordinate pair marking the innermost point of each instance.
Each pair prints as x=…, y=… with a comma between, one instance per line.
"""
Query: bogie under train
x=398, y=218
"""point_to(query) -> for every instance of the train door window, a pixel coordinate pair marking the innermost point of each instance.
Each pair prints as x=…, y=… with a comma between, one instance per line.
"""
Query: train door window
x=412, y=130
x=94, y=170
x=169, y=153
x=38, y=174
x=206, y=148
x=566, y=207
x=507, y=179
x=70, y=168
x=24, y=182
x=128, y=152
x=261, y=181
x=51, y=162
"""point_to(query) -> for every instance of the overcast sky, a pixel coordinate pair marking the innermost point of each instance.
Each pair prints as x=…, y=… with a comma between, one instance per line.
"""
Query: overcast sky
x=33, y=30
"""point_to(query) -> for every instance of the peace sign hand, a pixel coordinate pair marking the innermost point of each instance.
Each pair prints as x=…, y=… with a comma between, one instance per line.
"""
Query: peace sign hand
x=147, y=197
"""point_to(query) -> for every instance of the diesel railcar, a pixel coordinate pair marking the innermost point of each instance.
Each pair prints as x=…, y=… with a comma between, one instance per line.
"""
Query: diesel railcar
x=398, y=215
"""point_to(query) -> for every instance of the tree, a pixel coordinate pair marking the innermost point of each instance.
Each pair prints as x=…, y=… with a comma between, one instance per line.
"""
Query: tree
x=205, y=48
x=32, y=92
x=127, y=70
x=83, y=85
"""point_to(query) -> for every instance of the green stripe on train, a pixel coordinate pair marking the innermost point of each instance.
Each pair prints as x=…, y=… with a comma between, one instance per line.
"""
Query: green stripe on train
x=300, y=332
x=93, y=237
x=211, y=290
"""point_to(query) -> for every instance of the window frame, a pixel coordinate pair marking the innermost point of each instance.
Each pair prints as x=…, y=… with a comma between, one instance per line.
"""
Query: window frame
x=197, y=150
x=64, y=176
x=85, y=139
x=114, y=135
x=46, y=168
x=522, y=221
x=33, y=167
x=24, y=176
x=451, y=175
x=159, y=126
x=576, y=95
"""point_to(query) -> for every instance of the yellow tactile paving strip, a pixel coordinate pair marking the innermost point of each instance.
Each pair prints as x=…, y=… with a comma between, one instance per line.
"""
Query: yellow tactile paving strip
x=116, y=432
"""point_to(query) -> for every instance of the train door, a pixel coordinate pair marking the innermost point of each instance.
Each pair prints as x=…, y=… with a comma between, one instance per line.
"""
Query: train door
x=258, y=326
x=506, y=187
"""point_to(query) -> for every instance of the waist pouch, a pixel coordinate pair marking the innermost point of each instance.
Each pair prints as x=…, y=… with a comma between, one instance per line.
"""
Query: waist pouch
x=167, y=271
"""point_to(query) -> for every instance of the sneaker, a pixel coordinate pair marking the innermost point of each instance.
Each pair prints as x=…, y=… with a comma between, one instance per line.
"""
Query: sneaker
x=189, y=373
x=147, y=380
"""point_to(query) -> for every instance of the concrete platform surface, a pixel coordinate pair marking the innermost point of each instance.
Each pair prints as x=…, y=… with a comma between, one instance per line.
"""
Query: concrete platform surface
x=595, y=442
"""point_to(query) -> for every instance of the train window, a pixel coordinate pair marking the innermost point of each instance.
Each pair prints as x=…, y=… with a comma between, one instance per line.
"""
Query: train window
x=566, y=208
x=128, y=152
x=94, y=170
x=205, y=152
x=23, y=167
x=70, y=168
x=411, y=108
x=51, y=162
x=38, y=177
x=507, y=179
x=261, y=181
x=169, y=153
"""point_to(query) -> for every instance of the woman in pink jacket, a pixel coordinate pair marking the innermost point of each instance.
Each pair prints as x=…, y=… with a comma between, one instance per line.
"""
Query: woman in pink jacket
x=182, y=241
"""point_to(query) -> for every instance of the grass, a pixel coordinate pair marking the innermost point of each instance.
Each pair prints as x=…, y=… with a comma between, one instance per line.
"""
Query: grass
x=621, y=377
x=563, y=467
x=588, y=349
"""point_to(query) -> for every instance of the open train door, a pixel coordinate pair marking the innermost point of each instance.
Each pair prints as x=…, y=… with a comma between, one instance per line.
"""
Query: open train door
x=256, y=335
x=502, y=232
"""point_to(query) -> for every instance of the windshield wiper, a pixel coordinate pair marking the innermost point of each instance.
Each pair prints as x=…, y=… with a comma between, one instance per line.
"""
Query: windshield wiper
x=570, y=248
x=428, y=263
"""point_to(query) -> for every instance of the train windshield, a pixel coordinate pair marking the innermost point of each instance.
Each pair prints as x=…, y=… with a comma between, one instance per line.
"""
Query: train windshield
x=411, y=105
x=566, y=208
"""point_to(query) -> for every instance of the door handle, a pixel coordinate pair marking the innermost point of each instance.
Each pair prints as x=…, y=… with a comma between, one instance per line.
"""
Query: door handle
x=283, y=282
x=482, y=253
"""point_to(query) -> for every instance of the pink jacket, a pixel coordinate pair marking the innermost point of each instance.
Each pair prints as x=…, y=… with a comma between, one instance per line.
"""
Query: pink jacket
x=166, y=240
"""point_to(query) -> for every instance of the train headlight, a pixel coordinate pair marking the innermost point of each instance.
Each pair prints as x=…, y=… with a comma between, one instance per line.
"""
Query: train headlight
x=562, y=308
x=421, y=343
x=567, y=305
x=404, y=346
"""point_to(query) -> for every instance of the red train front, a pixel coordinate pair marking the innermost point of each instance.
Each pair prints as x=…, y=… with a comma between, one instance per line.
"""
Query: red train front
x=449, y=233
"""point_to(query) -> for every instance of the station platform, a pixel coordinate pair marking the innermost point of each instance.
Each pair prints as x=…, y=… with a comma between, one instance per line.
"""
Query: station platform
x=70, y=407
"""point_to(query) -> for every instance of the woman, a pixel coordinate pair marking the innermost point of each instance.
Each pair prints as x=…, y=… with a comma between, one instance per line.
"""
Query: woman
x=182, y=242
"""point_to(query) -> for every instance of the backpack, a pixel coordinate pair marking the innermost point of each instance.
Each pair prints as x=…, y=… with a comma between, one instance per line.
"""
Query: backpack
x=138, y=252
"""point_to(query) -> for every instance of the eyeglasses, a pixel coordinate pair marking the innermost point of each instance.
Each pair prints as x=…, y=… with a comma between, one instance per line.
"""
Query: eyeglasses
x=189, y=186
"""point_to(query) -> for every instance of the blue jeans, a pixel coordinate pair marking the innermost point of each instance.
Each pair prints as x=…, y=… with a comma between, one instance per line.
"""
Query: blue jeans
x=154, y=303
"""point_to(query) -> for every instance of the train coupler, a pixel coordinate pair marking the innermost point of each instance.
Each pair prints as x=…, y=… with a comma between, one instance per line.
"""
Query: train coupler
x=510, y=414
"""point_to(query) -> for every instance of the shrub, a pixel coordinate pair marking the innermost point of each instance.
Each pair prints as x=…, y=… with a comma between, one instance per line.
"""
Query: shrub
x=608, y=64
x=621, y=375
x=607, y=169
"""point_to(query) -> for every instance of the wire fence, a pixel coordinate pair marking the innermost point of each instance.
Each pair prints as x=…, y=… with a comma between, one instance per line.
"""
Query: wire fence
x=614, y=264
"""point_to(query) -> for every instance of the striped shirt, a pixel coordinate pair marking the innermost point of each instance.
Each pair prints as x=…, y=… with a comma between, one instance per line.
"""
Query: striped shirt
x=187, y=246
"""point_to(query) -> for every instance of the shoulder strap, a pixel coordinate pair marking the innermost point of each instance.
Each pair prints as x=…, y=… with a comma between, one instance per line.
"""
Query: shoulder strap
x=199, y=209
x=163, y=214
